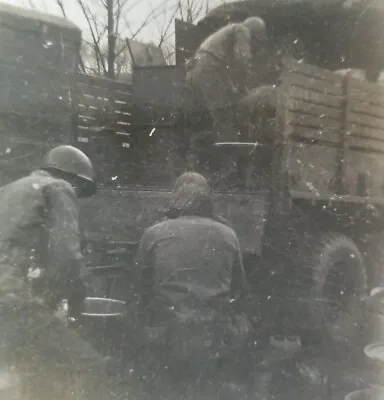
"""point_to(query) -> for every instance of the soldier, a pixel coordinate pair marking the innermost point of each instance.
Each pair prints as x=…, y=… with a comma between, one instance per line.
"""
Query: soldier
x=222, y=70
x=40, y=265
x=191, y=282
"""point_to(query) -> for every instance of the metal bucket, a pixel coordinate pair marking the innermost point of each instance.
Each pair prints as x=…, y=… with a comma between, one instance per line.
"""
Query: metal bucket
x=375, y=367
x=366, y=394
x=375, y=353
x=102, y=324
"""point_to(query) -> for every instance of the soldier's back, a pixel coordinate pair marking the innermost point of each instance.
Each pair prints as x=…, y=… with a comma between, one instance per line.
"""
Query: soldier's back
x=23, y=217
x=219, y=43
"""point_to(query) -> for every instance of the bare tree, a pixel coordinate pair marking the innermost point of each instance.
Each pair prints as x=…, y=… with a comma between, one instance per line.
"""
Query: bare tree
x=109, y=22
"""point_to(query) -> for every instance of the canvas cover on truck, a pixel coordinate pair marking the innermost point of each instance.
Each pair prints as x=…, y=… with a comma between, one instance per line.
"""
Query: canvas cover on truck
x=38, y=58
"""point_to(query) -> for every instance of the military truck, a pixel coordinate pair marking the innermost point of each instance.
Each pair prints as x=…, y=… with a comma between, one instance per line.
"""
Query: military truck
x=310, y=222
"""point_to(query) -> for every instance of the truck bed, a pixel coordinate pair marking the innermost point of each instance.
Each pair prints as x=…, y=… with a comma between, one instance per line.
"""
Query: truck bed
x=121, y=216
x=333, y=130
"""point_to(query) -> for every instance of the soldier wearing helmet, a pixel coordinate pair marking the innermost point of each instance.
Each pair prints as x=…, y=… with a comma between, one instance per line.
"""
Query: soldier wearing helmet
x=191, y=281
x=223, y=67
x=41, y=262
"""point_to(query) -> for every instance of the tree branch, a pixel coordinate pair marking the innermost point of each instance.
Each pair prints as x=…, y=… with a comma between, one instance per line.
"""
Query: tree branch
x=99, y=56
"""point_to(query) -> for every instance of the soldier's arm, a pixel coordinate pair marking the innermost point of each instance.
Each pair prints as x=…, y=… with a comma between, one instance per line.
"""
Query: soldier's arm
x=65, y=271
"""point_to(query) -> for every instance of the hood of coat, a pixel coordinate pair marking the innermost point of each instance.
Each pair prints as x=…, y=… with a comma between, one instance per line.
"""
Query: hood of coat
x=192, y=196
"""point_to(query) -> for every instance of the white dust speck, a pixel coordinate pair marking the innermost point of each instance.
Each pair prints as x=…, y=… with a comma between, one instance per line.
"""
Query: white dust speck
x=47, y=44
x=34, y=273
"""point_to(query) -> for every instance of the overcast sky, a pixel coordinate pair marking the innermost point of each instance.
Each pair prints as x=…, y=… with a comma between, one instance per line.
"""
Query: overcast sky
x=137, y=12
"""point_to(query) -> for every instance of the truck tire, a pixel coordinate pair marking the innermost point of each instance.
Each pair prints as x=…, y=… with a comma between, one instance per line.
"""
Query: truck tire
x=338, y=283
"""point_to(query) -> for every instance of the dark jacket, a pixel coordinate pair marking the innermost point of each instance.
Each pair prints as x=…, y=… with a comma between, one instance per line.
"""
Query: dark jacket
x=191, y=279
x=39, y=230
x=40, y=264
x=191, y=265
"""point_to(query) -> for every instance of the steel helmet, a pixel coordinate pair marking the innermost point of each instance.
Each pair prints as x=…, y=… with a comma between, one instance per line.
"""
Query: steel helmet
x=73, y=162
x=257, y=27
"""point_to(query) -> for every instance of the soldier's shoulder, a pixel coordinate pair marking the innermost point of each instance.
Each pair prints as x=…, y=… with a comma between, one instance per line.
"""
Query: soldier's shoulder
x=50, y=183
x=155, y=232
x=160, y=226
x=36, y=180
x=222, y=223
x=225, y=229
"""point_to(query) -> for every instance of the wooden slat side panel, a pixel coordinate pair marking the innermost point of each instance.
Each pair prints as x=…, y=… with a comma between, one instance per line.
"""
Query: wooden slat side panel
x=312, y=83
x=92, y=91
x=312, y=121
x=313, y=135
x=365, y=120
x=312, y=115
x=362, y=173
x=358, y=85
x=101, y=92
x=93, y=102
x=314, y=109
x=365, y=115
x=311, y=71
x=362, y=131
x=316, y=98
x=312, y=168
x=363, y=143
x=362, y=107
x=315, y=120
x=103, y=103
x=359, y=95
x=103, y=83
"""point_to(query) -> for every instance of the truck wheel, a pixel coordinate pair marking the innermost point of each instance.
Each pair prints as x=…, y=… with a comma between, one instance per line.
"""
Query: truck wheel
x=339, y=281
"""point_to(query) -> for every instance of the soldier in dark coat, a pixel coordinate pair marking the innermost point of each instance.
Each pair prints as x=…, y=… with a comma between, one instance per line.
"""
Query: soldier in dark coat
x=223, y=68
x=41, y=264
x=191, y=284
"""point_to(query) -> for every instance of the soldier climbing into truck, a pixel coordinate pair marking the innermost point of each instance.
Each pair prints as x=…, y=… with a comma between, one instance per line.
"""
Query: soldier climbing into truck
x=221, y=72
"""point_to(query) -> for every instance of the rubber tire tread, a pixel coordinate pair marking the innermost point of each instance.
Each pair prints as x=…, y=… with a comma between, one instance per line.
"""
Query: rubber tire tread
x=323, y=251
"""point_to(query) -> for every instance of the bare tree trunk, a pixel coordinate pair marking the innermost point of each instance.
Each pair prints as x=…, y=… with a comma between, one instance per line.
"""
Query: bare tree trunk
x=111, y=40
